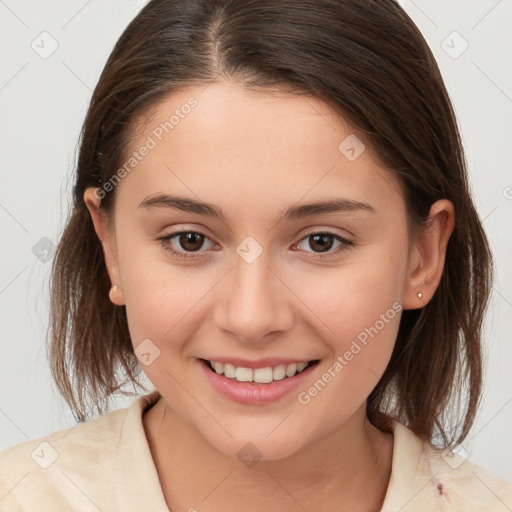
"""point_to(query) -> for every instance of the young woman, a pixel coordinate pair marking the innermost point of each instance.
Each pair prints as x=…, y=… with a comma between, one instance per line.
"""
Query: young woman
x=272, y=220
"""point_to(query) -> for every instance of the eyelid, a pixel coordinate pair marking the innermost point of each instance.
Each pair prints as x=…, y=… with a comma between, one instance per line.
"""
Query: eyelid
x=345, y=242
x=166, y=242
x=315, y=228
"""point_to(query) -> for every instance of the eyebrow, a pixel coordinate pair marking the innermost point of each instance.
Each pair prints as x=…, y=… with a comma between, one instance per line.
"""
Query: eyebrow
x=295, y=212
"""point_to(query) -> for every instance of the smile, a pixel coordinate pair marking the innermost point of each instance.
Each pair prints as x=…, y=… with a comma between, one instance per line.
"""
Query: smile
x=259, y=375
x=256, y=386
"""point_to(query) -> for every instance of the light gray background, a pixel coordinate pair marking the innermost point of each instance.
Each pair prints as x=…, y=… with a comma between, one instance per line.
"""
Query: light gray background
x=43, y=102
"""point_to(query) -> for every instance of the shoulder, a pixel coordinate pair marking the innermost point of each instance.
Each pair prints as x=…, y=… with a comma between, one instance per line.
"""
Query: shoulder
x=43, y=451
x=72, y=469
x=424, y=477
x=464, y=484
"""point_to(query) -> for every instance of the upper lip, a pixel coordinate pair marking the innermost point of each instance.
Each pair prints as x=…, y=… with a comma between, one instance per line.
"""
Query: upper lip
x=260, y=363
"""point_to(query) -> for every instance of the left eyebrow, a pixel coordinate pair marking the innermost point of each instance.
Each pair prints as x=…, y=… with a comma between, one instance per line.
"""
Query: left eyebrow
x=329, y=206
x=295, y=212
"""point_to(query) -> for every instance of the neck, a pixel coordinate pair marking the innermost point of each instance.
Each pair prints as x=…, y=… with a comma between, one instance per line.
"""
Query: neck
x=351, y=466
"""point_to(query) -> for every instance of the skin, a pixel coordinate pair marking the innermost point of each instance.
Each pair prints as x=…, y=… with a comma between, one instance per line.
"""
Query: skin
x=253, y=154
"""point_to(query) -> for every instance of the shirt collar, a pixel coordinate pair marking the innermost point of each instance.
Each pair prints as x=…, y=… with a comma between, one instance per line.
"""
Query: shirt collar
x=412, y=480
x=137, y=474
x=410, y=486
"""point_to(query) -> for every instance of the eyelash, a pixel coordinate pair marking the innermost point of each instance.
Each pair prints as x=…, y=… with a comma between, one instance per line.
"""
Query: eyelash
x=165, y=241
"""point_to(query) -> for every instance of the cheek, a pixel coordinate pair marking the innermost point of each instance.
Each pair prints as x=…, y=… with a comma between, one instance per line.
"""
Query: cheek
x=158, y=295
x=357, y=292
x=163, y=309
x=362, y=329
x=357, y=309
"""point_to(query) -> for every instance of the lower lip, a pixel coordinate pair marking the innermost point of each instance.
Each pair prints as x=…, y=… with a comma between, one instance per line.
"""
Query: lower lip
x=252, y=393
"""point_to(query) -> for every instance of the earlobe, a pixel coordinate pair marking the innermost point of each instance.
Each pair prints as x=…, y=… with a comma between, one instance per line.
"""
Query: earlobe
x=428, y=255
x=107, y=240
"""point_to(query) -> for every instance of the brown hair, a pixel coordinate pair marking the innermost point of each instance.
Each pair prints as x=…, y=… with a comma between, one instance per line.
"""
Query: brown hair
x=370, y=63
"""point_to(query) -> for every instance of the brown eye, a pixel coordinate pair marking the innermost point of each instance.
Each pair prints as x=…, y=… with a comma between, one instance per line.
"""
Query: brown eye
x=190, y=241
x=187, y=243
x=323, y=242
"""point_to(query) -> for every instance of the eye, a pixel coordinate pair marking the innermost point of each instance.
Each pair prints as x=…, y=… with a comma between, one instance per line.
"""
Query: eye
x=192, y=241
x=324, y=240
x=188, y=240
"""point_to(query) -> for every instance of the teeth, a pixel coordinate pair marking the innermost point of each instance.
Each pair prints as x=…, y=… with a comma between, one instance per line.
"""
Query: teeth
x=259, y=375
x=301, y=366
x=263, y=375
x=279, y=372
x=291, y=369
x=229, y=370
x=243, y=374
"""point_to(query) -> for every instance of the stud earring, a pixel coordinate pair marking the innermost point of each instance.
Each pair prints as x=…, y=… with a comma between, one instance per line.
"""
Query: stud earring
x=114, y=297
x=419, y=295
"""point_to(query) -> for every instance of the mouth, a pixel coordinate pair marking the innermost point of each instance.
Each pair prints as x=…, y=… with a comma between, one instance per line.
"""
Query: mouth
x=239, y=384
x=259, y=376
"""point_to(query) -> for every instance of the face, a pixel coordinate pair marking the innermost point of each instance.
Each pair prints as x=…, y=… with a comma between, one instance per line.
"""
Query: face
x=254, y=282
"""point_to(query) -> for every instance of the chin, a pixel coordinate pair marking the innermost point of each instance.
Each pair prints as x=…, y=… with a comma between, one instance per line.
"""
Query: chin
x=250, y=449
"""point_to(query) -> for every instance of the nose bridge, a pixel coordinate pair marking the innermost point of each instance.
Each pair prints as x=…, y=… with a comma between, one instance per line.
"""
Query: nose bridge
x=254, y=303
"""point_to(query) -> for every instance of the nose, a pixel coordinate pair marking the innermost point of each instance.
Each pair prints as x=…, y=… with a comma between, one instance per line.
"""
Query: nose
x=254, y=301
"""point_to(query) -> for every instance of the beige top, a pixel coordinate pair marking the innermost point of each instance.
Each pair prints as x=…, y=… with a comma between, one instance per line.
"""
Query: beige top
x=105, y=464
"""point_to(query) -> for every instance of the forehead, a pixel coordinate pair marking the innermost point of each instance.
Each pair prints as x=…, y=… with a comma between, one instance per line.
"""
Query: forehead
x=223, y=142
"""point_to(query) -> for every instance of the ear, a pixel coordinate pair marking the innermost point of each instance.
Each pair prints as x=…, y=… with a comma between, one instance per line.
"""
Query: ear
x=427, y=256
x=106, y=234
